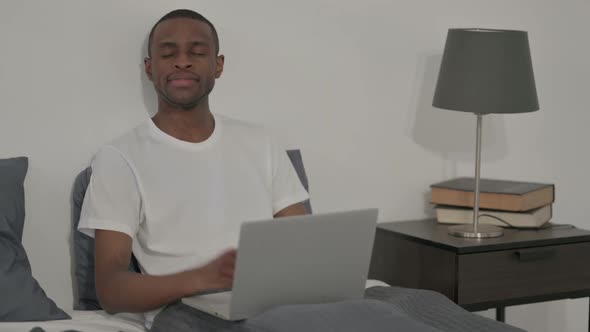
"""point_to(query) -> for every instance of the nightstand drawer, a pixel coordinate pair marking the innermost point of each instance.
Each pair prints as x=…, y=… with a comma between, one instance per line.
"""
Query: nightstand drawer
x=518, y=273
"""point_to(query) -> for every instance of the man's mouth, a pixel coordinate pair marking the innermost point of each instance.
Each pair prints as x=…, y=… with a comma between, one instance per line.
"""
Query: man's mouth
x=182, y=80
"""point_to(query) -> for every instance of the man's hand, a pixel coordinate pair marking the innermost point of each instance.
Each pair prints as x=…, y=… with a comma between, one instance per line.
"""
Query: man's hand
x=217, y=274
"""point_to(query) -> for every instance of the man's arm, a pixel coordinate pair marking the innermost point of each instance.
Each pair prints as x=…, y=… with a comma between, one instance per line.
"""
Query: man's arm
x=120, y=290
x=296, y=209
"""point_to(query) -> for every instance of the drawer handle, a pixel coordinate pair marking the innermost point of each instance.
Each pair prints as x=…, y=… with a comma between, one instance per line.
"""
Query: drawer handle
x=533, y=255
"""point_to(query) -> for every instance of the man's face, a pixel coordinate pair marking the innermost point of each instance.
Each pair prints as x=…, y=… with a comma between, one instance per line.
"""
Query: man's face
x=183, y=64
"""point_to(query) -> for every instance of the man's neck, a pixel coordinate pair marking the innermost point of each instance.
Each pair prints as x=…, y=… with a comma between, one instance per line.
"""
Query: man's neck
x=192, y=125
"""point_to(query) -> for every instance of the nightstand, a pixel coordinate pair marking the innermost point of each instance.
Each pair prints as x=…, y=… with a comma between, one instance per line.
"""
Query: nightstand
x=523, y=266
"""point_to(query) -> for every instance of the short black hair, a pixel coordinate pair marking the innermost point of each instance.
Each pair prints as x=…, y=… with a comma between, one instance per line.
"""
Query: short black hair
x=184, y=13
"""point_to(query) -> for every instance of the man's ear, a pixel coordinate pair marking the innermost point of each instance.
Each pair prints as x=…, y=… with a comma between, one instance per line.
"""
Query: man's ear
x=147, y=62
x=220, y=60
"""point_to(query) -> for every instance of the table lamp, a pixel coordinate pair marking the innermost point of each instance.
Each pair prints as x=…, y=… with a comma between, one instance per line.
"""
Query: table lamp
x=485, y=71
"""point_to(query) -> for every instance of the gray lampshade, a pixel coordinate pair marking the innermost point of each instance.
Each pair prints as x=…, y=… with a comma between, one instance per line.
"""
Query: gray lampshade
x=486, y=71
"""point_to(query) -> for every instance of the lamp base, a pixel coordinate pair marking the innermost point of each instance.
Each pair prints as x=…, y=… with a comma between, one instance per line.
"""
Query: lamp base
x=483, y=231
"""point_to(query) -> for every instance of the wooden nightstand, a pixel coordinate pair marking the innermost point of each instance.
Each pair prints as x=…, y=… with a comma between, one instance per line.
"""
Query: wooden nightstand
x=523, y=266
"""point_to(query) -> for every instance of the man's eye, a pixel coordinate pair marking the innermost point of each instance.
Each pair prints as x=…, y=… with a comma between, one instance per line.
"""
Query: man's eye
x=167, y=55
x=198, y=53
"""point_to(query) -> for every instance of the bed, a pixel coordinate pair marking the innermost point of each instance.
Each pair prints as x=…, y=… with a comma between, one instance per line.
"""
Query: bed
x=387, y=309
x=24, y=306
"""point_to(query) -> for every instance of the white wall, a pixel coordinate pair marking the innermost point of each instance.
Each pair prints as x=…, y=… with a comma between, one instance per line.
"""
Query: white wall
x=348, y=82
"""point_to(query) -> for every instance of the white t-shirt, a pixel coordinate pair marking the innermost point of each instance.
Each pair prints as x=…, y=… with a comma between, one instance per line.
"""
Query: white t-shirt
x=182, y=203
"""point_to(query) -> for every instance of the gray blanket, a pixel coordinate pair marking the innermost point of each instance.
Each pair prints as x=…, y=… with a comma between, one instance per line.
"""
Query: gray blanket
x=383, y=309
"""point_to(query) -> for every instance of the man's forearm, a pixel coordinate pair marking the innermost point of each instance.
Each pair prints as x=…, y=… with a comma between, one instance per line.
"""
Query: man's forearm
x=125, y=291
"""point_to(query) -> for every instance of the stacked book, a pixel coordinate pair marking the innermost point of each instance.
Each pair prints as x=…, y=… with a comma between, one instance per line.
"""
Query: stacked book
x=501, y=203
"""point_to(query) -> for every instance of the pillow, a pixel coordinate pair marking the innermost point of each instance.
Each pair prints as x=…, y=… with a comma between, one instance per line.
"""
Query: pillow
x=22, y=298
x=297, y=161
x=12, y=192
x=85, y=297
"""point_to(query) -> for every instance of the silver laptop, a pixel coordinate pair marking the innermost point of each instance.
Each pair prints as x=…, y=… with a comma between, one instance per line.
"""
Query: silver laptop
x=316, y=258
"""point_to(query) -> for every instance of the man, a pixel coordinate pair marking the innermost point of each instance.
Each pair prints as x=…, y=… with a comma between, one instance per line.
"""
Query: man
x=174, y=190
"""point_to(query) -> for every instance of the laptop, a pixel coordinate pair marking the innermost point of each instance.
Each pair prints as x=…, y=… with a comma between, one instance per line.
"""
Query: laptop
x=316, y=258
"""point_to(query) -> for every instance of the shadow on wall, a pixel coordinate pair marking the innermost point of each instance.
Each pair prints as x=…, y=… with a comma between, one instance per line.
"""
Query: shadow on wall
x=149, y=95
x=450, y=134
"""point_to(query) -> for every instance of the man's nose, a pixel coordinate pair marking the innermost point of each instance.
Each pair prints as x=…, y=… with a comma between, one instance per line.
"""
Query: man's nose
x=182, y=62
x=183, y=65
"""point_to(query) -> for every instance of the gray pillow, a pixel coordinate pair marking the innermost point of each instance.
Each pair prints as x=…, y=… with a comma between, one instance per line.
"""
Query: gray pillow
x=85, y=297
x=22, y=298
x=12, y=192
x=297, y=161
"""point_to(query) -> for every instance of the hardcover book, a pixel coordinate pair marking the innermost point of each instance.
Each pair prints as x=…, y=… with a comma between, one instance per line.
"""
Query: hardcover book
x=529, y=219
x=494, y=194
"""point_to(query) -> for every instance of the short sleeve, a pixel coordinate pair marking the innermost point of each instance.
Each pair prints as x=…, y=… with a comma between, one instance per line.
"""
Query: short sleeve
x=286, y=186
x=112, y=200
